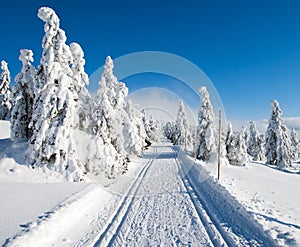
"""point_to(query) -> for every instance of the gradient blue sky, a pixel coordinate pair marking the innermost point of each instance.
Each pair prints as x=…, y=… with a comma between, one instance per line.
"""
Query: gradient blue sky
x=249, y=49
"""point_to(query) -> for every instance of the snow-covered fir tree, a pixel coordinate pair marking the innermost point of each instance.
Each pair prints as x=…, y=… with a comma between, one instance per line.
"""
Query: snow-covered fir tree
x=278, y=147
x=5, y=104
x=169, y=131
x=113, y=93
x=80, y=80
x=182, y=131
x=110, y=116
x=229, y=137
x=23, y=97
x=52, y=143
x=260, y=154
x=154, y=130
x=236, y=149
x=134, y=131
x=294, y=145
x=256, y=143
x=205, y=142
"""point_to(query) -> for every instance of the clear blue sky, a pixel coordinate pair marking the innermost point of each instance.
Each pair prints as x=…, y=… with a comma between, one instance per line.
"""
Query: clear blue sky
x=250, y=49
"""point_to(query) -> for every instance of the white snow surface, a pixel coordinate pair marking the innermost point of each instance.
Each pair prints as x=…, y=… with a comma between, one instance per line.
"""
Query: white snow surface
x=166, y=199
x=270, y=195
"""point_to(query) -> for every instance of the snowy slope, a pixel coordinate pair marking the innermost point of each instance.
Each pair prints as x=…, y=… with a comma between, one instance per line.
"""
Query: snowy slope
x=25, y=193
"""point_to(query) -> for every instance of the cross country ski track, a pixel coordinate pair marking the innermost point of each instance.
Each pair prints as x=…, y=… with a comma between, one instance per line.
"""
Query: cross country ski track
x=165, y=206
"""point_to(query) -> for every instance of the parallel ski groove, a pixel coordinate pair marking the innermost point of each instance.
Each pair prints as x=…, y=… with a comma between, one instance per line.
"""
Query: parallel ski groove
x=111, y=230
x=217, y=235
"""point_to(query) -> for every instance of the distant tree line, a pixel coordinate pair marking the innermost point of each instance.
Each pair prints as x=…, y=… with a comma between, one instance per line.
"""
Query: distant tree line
x=276, y=147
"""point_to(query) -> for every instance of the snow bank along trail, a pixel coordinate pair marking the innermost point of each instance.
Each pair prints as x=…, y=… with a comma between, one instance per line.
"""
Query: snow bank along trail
x=220, y=210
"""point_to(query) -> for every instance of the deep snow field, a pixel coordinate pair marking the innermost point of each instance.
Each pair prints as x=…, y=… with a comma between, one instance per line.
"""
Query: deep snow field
x=42, y=200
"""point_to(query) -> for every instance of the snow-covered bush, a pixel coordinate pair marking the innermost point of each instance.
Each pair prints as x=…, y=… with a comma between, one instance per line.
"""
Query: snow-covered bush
x=5, y=104
x=278, y=146
x=23, y=97
x=205, y=141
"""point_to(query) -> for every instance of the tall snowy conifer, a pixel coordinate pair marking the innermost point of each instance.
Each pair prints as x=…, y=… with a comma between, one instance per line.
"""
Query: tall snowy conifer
x=52, y=142
x=182, y=131
x=80, y=80
x=110, y=115
x=278, y=147
x=169, y=131
x=23, y=97
x=205, y=143
x=255, y=144
x=236, y=147
x=134, y=131
x=294, y=145
x=5, y=104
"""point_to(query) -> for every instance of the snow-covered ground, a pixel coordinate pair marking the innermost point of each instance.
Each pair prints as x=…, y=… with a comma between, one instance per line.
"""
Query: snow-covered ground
x=40, y=208
x=165, y=199
x=270, y=195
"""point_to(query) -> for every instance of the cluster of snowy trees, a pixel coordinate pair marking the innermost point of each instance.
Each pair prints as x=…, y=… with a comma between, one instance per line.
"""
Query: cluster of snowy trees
x=49, y=107
x=237, y=147
x=180, y=132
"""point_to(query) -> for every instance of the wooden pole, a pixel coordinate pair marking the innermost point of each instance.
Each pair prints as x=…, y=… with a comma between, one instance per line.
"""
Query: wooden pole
x=219, y=145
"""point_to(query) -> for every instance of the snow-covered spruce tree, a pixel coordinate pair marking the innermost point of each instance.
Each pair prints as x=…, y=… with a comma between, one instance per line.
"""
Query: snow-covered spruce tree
x=205, y=142
x=154, y=130
x=134, y=131
x=260, y=152
x=23, y=97
x=255, y=144
x=229, y=138
x=278, y=147
x=80, y=80
x=182, y=131
x=223, y=152
x=169, y=130
x=5, y=104
x=52, y=144
x=110, y=116
x=116, y=92
x=236, y=150
x=294, y=145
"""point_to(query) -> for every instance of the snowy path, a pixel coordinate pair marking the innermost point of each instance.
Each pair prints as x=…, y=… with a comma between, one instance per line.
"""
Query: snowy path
x=167, y=208
x=159, y=212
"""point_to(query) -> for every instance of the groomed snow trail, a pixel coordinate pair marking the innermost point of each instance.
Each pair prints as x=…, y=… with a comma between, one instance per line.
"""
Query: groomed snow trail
x=166, y=206
x=159, y=211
